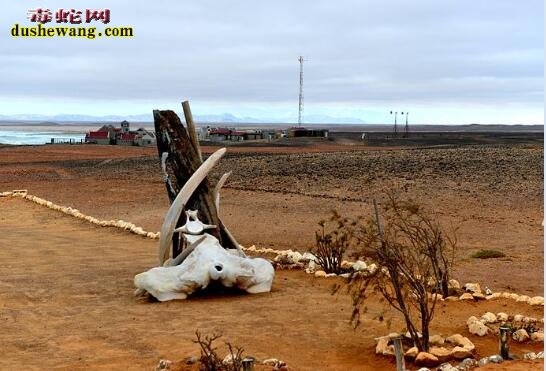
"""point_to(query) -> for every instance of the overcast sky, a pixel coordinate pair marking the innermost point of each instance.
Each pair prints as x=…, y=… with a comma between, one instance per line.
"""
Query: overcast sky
x=444, y=61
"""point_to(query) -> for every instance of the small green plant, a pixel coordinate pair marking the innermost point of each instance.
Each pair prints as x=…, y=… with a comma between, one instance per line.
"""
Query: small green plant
x=488, y=254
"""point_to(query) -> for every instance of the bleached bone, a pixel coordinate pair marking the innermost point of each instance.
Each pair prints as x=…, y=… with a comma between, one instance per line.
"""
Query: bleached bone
x=219, y=185
x=184, y=254
x=209, y=261
x=205, y=259
x=167, y=229
x=193, y=224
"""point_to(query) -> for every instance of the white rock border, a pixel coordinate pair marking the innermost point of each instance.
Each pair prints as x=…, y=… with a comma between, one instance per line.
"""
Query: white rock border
x=291, y=256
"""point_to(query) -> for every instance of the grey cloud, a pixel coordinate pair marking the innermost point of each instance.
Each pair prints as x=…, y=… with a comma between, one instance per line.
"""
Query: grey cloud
x=245, y=51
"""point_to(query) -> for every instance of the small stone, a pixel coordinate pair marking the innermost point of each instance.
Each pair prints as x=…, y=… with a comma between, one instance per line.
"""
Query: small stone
x=478, y=328
x=443, y=354
x=164, y=364
x=426, y=359
x=529, y=320
x=359, y=265
x=320, y=274
x=451, y=298
x=537, y=336
x=522, y=299
x=530, y=356
x=228, y=360
x=536, y=300
x=470, y=320
x=489, y=318
x=372, y=268
x=493, y=296
x=482, y=362
x=446, y=367
x=191, y=360
x=502, y=317
x=424, y=369
x=411, y=353
x=520, y=335
x=488, y=291
x=495, y=359
x=407, y=335
x=270, y=362
x=472, y=287
x=453, y=284
x=460, y=353
x=466, y=296
x=436, y=340
x=468, y=364
x=383, y=346
x=518, y=318
x=461, y=341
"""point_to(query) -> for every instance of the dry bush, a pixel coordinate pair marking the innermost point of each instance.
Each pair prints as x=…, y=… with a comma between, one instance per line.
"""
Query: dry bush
x=210, y=361
x=332, y=240
x=415, y=259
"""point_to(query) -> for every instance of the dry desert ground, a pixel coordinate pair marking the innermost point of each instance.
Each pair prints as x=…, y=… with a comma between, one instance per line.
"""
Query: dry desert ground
x=66, y=288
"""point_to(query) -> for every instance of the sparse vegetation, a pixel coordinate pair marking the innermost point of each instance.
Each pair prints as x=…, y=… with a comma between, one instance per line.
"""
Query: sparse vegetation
x=413, y=252
x=210, y=361
x=333, y=241
x=488, y=254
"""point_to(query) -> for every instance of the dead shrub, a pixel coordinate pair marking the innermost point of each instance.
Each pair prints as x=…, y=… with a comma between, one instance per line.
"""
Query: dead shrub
x=210, y=361
x=332, y=240
x=415, y=258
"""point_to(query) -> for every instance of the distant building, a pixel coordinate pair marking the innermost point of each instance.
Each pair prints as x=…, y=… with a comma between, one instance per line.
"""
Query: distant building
x=126, y=139
x=221, y=134
x=98, y=137
x=303, y=132
x=125, y=126
x=108, y=134
x=146, y=139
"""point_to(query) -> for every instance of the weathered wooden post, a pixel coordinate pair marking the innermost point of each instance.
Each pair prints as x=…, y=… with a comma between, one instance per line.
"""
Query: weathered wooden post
x=180, y=156
x=503, y=341
x=248, y=364
x=399, y=352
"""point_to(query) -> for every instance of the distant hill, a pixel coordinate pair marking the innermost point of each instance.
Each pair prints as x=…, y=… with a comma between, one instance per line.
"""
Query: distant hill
x=221, y=118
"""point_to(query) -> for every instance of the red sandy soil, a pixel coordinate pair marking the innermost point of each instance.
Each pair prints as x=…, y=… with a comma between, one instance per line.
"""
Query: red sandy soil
x=491, y=194
x=66, y=303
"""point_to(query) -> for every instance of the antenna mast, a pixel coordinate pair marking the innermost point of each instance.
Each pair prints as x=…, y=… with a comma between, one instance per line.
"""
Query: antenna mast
x=300, y=112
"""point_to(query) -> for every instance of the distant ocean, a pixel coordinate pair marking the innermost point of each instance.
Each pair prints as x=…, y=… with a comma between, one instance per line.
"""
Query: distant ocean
x=10, y=136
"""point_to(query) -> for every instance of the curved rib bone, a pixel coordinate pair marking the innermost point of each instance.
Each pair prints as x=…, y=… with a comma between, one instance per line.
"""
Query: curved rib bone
x=167, y=229
x=219, y=185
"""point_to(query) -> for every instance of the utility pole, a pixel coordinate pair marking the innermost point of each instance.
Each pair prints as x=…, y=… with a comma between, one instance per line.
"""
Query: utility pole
x=406, y=129
x=395, y=122
x=300, y=112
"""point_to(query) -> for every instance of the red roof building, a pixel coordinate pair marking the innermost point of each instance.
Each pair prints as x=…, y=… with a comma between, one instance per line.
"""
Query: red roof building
x=97, y=135
x=127, y=137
